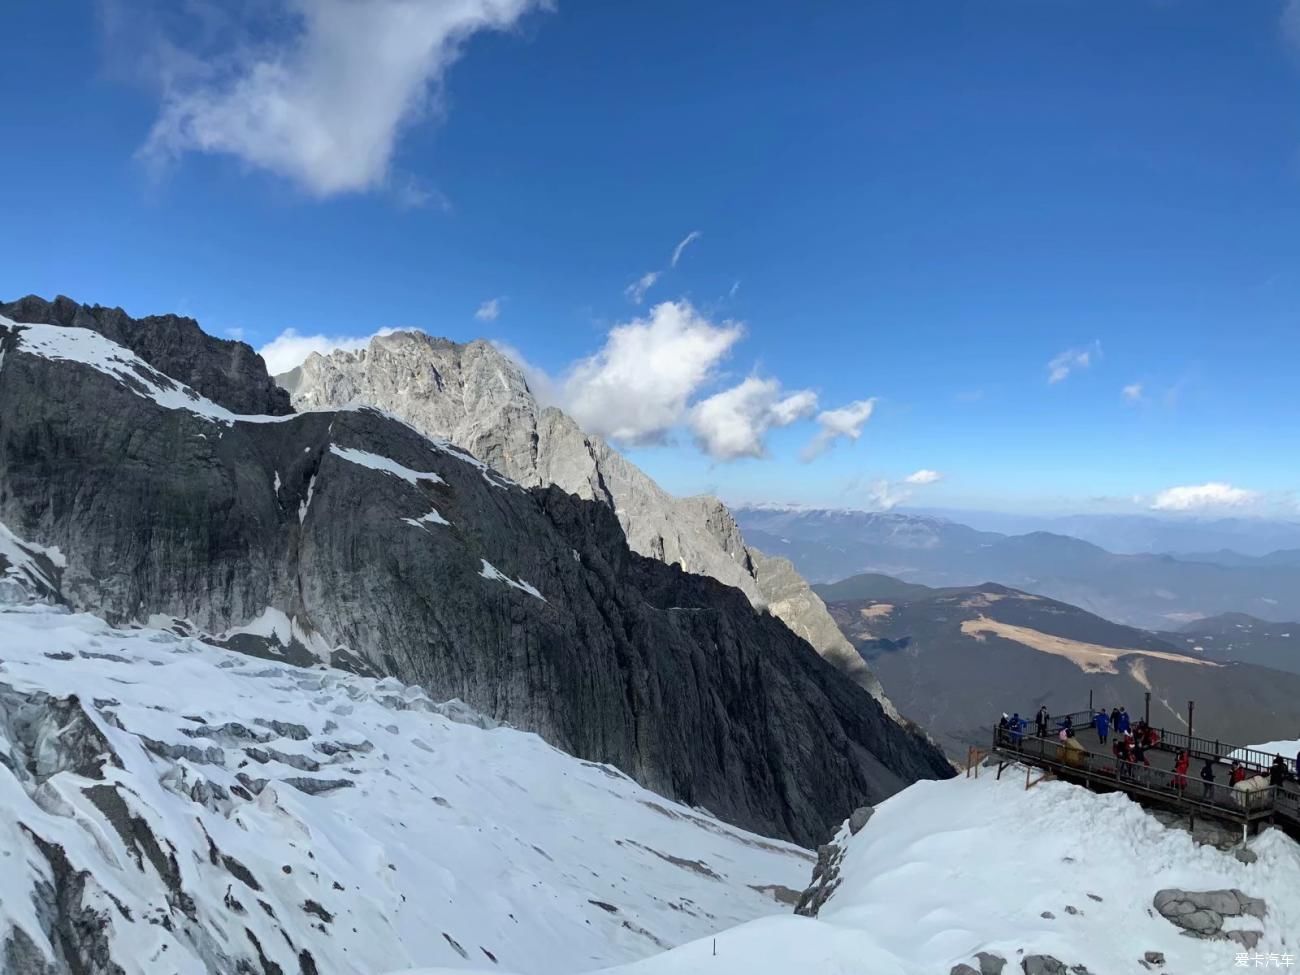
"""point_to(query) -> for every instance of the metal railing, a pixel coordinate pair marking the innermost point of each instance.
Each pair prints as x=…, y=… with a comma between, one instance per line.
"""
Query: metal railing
x=1214, y=798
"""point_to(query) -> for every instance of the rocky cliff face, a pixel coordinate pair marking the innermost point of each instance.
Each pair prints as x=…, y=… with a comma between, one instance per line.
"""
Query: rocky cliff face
x=346, y=537
x=229, y=373
x=477, y=398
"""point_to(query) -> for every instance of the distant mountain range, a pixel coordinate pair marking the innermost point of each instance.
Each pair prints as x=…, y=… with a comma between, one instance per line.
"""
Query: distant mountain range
x=954, y=659
x=1134, y=534
x=1158, y=592
x=1239, y=636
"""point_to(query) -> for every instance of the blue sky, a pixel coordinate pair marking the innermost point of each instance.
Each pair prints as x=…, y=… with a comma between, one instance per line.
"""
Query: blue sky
x=915, y=205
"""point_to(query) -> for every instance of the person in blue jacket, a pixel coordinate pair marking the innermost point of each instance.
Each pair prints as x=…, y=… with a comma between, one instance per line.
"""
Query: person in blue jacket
x=1103, y=726
x=1017, y=728
x=1123, y=726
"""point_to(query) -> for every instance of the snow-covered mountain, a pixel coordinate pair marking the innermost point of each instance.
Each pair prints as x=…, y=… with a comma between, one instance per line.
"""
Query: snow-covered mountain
x=179, y=808
x=477, y=398
x=349, y=538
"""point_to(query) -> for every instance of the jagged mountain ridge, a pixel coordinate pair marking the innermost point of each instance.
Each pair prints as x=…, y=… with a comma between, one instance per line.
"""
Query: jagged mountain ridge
x=350, y=538
x=227, y=372
x=479, y=399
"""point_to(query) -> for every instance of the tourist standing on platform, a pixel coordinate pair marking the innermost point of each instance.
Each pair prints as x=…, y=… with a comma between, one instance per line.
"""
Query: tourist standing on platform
x=1103, y=726
x=1180, y=770
x=1207, y=780
x=1017, y=728
x=1114, y=720
x=1122, y=726
x=1042, y=720
x=1277, y=774
x=1237, y=774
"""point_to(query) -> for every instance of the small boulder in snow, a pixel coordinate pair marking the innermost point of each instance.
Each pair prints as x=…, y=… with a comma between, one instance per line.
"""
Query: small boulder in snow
x=1154, y=958
x=859, y=818
x=1042, y=965
x=963, y=969
x=990, y=964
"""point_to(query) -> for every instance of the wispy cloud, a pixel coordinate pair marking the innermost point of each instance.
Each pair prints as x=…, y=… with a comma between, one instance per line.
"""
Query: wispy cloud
x=1290, y=23
x=1133, y=393
x=1196, y=497
x=923, y=476
x=636, y=291
x=1072, y=360
x=844, y=423
x=686, y=241
x=490, y=310
x=325, y=104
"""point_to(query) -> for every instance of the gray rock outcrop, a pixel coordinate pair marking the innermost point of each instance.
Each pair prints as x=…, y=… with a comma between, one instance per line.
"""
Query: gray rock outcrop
x=477, y=398
x=349, y=538
x=825, y=878
x=861, y=816
x=1042, y=965
x=1201, y=913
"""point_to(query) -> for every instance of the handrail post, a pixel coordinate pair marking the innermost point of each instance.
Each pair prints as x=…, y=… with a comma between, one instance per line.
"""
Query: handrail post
x=1147, y=716
x=1191, y=710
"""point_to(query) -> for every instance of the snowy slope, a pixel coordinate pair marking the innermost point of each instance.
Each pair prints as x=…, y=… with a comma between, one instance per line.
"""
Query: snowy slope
x=375, y=829
x=947, y=869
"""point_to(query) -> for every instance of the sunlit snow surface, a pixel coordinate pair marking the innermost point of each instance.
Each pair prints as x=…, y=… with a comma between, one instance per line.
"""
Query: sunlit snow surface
x=452, y=838
x=946, y=869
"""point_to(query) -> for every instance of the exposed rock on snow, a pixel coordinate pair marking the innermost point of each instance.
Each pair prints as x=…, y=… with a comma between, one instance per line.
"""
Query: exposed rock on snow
x=861, y=816
x=164, y=508
x=1042, y=965
x=476, y=397
x=123, y=851
x=1201, y=913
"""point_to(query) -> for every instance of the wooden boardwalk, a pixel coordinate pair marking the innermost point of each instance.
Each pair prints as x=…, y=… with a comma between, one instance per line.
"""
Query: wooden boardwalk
x=1154, y=782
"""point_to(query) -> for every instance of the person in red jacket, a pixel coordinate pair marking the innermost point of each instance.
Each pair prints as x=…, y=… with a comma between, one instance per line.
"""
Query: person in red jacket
x=1180, y=770
x=1237, y=774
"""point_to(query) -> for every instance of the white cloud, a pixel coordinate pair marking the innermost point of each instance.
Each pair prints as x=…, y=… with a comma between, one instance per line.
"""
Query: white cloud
x=638, y=385
x=489, y=311
x=923, y=476
x=636, y=291
x=686, y=241
x=1072, y=360
x=734, y=423
x=1132, y=393
x=325, y=105
x=1192, y=497
x=845, y=422
x=289, y=349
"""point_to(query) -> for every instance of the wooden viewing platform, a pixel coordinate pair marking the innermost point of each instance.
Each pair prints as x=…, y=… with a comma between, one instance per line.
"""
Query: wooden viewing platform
x=1096, y=767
